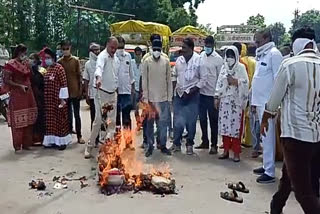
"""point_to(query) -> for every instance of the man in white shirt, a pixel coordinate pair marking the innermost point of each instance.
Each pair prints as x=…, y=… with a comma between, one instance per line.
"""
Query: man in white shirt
x=297, y=90
x=211, y=62
x=125, y=88
x=157, y=93
x=190, y=79
x=106, y=85
x=136, y=68
x=268, y=60
x=88, y=76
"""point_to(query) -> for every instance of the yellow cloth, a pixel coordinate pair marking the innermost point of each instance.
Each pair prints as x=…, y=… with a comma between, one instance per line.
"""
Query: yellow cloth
x=250, y=62
x=42, y=71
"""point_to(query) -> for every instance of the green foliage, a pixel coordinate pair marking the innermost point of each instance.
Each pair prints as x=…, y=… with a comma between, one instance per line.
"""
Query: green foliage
x=47, y=22
x=257, y=20
x=207, y=28
x=311, y=19
x=278, y=32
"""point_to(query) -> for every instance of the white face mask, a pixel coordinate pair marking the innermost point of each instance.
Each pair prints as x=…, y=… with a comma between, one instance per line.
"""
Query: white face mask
x=231, y=61
x=93, y=56
x=120, y=51
x=156, y=54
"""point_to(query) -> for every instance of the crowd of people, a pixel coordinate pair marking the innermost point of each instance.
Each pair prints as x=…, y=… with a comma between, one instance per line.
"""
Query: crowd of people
x=239, y=93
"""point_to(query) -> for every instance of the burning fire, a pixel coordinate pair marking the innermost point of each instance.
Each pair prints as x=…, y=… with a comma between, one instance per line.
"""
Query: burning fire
x=120, y=170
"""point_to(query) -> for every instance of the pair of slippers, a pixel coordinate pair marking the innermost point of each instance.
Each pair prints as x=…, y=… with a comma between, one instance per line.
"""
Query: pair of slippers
x=233, y=195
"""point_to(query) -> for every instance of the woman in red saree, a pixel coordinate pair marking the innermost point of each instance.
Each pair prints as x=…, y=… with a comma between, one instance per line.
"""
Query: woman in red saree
x=22, y=105
x=57, y=132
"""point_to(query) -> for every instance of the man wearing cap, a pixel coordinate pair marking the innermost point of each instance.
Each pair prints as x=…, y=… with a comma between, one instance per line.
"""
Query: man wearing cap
x=157, y=93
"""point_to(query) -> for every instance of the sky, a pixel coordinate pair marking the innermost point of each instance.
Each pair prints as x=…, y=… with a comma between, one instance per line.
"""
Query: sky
x=214, y=11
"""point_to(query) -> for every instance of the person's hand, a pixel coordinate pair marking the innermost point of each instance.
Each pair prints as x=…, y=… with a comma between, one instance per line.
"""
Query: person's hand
x=264, y=127
x=216, y=103
x=24, y=88
x=253, y=109
x=62, y=104
x=232, y=81
x=98, y=82
x=194, y=90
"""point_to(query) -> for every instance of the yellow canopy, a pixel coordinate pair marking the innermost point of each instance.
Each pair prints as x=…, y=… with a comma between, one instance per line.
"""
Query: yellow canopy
x=138, y=32
x=187, y=30
x=196, y=34
x=135, y=26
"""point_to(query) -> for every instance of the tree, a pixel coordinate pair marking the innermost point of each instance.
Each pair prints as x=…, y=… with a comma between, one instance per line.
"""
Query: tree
x=40, y=22
x=179, y=18
x=207, y=28
x=311, y=19
x=257, y=20
x=278, y=31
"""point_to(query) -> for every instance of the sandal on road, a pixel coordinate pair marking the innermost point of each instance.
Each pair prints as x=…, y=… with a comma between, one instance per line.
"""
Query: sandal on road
x=231, y=196
x=240, y=187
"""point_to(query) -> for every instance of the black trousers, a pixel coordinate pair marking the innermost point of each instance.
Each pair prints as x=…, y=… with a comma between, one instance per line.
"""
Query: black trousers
x=74, y=104
x=206, y=109
x=300, y=173
x=92, y=111
x=124, y=108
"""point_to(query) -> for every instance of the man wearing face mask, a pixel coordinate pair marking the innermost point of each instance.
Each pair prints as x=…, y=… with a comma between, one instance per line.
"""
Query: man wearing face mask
x=153, y=37
x=157, y=93
x=88, y=76
x=125, y=88
x=190, y=79
x=147, y=55
x=268, y=60
x=297, y=90
x=211, y=63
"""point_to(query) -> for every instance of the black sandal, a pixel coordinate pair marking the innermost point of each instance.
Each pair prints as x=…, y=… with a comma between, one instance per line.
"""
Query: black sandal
x=240, y=187
x=231, y=196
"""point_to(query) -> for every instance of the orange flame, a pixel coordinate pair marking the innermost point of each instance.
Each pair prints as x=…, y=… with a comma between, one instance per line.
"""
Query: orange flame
x=117, y=155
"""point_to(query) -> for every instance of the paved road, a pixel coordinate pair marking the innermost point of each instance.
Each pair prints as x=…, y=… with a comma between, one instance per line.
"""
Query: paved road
x=199, y=179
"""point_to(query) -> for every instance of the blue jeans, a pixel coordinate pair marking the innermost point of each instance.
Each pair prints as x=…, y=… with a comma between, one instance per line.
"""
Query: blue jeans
x=124, y=108
x=162, y=112
x=255, y=131
x=185, y=115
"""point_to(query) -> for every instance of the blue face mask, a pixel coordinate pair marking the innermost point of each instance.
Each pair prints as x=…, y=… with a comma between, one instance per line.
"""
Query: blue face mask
x=49, y=62
x=208, y=50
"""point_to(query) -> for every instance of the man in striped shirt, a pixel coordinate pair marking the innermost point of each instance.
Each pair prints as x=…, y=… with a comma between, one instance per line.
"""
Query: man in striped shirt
x=297, y=90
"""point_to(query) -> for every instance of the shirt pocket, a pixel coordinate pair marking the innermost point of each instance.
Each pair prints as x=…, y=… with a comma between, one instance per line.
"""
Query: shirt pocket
x=263, y=70
x=125, y=67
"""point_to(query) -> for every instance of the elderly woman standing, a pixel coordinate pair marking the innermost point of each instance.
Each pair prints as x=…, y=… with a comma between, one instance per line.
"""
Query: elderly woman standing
x=57, y=132
x=22, y=105
x=232, y=95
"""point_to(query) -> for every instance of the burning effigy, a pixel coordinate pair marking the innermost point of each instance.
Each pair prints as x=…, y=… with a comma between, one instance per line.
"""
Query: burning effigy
x=119, y=170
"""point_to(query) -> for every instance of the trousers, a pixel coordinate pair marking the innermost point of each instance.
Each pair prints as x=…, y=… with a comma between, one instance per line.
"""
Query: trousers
x=100, y=99
x=269, y=145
